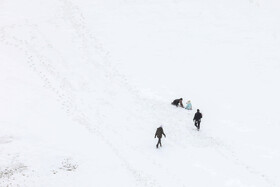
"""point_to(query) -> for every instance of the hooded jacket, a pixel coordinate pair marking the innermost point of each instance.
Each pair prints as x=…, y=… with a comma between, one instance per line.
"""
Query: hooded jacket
x=197, y=116
x=189, y=106
x=177, y=102
x=159, y=132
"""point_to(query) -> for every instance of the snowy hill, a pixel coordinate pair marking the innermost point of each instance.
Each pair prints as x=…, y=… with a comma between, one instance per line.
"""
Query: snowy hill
x=85, y=84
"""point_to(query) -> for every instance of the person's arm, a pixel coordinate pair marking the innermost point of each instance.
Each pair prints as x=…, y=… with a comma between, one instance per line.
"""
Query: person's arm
x=163, y=134
x=156, y=134
x=181, y=103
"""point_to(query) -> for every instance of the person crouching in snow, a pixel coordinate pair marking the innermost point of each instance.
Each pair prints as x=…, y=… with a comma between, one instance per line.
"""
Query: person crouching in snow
x=159, y=134
x=189, y=105
x=176, y=102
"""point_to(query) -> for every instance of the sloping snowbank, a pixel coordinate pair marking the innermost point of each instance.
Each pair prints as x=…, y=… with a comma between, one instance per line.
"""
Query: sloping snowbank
x=85, y=84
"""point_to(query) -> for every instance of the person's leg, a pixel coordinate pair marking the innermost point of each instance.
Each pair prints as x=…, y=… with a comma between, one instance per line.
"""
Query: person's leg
x=198, y=125
x=159, y=140
x=195, y=122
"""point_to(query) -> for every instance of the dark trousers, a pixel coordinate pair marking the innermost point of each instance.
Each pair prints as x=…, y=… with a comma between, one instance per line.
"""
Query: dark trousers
x=197, y=124
x=159, y=142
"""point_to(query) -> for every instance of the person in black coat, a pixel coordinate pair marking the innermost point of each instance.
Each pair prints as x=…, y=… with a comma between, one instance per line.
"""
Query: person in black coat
x=176, y=102
x=197, y=119
x=159, y=134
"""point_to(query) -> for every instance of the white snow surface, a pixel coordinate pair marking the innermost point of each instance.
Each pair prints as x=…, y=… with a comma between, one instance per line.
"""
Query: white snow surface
x=85, y=84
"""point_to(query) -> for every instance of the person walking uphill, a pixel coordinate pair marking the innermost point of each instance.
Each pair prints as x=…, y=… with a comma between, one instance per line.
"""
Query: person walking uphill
x=159, y=134
x=197, y=119
x=176, y=102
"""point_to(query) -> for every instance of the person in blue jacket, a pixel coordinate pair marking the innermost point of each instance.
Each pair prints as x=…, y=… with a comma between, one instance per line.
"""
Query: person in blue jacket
x=189, y=105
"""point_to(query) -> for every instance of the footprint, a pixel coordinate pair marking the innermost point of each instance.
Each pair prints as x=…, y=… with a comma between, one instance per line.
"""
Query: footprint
x=6, y=139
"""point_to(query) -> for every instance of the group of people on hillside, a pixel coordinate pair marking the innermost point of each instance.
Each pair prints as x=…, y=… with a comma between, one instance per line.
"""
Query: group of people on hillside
x=179, y=102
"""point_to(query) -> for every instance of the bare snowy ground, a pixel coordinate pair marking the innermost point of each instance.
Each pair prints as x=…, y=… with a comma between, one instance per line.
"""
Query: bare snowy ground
x=70, y=117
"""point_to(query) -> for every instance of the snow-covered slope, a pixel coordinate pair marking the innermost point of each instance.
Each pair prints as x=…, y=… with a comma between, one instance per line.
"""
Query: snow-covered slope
x=85, y=84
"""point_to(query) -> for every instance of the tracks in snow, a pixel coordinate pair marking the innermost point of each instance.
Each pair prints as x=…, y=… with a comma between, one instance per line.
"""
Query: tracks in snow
x=52, y=80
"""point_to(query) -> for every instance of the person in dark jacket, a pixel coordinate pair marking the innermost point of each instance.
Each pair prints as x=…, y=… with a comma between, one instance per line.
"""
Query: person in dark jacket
x=197, y=119
x=176, y=102
x=159, y=134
